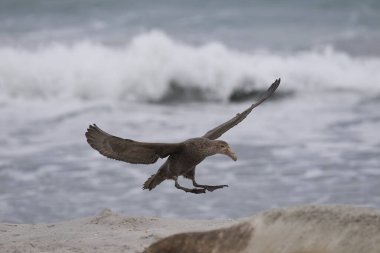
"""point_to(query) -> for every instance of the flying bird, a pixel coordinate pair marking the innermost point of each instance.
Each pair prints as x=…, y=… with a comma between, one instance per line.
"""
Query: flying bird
x=183, y=157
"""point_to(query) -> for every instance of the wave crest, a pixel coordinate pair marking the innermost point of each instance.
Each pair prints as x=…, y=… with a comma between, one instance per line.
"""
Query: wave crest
x=154, y=67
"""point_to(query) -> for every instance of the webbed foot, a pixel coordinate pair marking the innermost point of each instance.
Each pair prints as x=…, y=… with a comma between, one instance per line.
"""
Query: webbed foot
x=211, y=188
x=198, y=191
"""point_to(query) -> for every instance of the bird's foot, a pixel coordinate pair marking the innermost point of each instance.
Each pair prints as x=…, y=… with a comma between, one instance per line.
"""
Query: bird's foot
x=211, y=188
x=194, y=190
x=197, y=191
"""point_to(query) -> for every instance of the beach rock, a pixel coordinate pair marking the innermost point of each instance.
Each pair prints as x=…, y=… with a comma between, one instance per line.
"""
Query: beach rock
x=232, y=239
x=304, y=229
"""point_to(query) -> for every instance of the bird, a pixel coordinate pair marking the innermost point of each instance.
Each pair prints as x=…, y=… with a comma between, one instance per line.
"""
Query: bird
x=182, y=157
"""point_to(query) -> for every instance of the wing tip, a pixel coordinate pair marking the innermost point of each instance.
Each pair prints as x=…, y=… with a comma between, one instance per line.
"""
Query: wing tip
x=270, y=90
x=92, y=126
x=94, y=129
x=94, y=135
x=275, y=85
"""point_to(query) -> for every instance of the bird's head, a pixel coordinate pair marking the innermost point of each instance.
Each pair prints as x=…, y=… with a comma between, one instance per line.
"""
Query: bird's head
x=223, y=148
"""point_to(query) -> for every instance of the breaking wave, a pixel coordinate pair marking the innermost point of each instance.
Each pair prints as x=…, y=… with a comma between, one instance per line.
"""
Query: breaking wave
x=155, y=67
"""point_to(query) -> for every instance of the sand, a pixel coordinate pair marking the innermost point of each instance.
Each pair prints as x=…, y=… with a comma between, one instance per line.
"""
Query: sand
x=106, y=232
x=304, y=229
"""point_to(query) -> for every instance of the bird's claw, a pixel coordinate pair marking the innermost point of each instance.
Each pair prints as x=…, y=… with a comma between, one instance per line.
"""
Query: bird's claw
x=198, y=191
x=211, y=188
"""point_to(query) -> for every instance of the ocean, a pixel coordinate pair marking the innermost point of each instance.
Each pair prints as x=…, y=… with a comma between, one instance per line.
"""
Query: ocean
x=166, y=71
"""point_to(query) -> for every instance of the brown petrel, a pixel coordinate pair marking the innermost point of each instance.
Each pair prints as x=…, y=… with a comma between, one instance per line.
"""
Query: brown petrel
x=183, y=157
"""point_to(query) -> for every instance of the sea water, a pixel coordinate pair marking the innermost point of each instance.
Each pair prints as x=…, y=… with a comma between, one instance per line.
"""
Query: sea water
x=165, y=71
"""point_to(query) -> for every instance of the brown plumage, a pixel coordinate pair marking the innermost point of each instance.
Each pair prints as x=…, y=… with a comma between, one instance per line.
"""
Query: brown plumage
x=183, y=157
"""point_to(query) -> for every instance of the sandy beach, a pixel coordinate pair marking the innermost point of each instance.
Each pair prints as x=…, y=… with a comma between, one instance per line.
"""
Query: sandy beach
x=322, y=229
x=106, y=232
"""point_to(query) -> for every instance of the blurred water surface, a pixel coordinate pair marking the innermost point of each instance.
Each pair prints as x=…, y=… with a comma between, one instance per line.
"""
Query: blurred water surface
x=168, y=71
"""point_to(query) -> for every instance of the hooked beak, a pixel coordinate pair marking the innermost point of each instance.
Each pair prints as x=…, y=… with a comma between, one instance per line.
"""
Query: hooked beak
x=228, y=151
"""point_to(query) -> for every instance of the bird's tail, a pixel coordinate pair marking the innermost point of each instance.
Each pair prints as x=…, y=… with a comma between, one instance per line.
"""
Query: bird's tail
x=153, y=181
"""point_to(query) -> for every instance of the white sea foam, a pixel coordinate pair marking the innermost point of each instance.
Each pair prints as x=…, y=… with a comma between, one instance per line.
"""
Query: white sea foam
x=152, y=64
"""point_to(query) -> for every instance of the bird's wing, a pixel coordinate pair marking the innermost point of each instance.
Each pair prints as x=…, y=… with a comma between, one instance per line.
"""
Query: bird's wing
x=221, y=129
x=128, y=150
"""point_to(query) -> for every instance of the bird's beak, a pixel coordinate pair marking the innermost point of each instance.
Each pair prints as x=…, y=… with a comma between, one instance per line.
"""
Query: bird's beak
x=228, y=151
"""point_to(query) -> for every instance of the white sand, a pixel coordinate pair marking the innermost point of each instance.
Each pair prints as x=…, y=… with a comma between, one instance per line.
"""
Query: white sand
x=107, y=232
x=305, y=229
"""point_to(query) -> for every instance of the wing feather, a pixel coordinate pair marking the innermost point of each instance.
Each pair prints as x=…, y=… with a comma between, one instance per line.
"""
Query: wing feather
x=128, y=150
x=221, y=129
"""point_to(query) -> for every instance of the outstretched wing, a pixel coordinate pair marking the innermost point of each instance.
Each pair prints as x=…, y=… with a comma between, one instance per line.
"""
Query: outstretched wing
x=128, y=150
x=221, y=129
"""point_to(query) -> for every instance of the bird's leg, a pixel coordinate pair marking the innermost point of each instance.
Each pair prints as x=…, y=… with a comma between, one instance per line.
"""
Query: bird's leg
x=210, y=188
x=191, y=175
x=194, y=190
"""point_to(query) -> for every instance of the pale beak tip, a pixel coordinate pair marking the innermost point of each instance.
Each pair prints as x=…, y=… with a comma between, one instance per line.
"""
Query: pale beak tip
x=233, y=157
x=231, y=154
